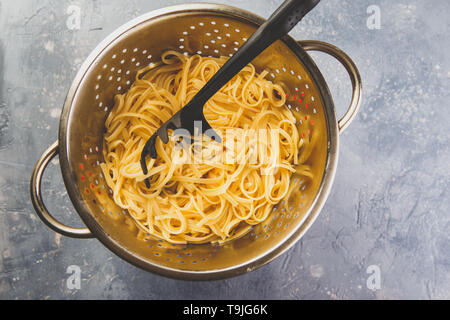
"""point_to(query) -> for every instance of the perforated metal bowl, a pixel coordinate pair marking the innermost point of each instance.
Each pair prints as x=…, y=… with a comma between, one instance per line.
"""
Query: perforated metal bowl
x=206, y=29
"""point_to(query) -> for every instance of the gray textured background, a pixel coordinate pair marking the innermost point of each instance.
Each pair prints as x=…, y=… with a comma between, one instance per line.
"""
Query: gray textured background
x=389, y=205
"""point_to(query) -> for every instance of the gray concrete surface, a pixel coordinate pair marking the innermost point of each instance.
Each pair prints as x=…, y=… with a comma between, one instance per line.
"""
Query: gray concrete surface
x=389, y=207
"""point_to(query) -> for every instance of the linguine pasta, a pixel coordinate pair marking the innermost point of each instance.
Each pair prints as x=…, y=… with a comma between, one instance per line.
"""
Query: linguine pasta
x=203, y=191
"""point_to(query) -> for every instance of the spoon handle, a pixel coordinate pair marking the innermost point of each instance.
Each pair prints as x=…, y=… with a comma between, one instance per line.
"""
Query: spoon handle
x=279, y=24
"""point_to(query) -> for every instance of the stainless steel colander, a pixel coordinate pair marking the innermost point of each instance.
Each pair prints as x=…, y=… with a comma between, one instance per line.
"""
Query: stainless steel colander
x=206, y=29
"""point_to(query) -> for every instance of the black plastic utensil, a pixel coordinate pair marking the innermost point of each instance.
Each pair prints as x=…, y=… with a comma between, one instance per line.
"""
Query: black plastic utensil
x=288, y=15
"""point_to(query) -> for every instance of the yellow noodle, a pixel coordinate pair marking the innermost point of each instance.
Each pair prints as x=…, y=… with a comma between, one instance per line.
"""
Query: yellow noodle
x=207, y=200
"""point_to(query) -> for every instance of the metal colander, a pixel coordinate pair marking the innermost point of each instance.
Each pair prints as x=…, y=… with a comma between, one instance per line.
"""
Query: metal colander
x=211, y=30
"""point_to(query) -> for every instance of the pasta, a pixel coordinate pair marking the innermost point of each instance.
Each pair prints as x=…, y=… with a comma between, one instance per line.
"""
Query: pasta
x=203, y=191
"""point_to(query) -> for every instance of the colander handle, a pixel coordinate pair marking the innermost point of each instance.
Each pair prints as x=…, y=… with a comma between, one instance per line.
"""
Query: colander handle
x=349, y=65
x=38, y=203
